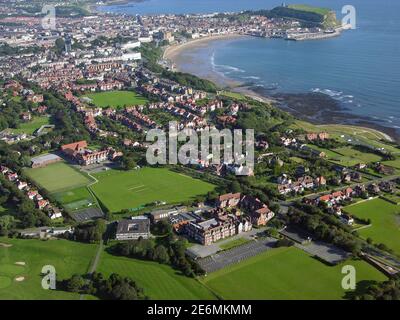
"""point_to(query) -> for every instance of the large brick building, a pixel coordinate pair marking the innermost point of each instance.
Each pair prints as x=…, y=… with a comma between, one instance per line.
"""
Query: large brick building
x=79, y=152
x=228, y=200
x=210, y=231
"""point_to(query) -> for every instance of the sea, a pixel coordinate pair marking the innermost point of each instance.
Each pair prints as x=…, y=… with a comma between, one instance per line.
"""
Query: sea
x=360, y=69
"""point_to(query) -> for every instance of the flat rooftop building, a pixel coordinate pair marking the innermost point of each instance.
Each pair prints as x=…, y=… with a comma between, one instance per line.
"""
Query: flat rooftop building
x=44, y=160
x=133, y=229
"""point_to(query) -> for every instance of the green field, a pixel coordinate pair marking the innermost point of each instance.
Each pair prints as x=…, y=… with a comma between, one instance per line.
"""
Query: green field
x=286, y=273
x=76, y=199
x=67, y=257
x=297, y=160
x=233, y=95
x=159, y=281
x=329, y=153
x=385, y=221
x=347, y=156
x=31, y=126
x=119, y=190
x=58, y=177
x=355, y=134
x=234, y=243
x=359, y=156
x=304, y=7
x=116, y=99
x=392, y=163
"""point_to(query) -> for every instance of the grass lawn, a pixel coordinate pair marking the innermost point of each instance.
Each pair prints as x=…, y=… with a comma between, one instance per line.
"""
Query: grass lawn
x=286, y=273
x=304, y=7
x=392, y=163
x=394, y=198
x=385, y=221
x=348, y=156
x=76, y=199
x=116, y=99
x=344, y=133
x=58, y=177
x=234, y=95
x=364, y=157
x=31, y=126
x=67, y=257
x=234, y=243
x=159, y=281
x=119, y=190
x=297, y=160
x=329, y=153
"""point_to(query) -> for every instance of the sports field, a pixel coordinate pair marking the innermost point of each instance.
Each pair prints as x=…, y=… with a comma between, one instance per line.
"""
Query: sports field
x=119, y=190
x=31, y=126
x=76, y=199
x=21, y=262
x=159, y=281
x=58, y=177
x=385, y=219
x=286, y=273
x=116, y=99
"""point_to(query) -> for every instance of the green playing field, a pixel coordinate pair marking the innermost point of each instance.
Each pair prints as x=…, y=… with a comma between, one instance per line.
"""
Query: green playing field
x=287, y=273
x=116, y=99
x=119, y=190
x=58, y=177
x=21, y=262
x=385, y=221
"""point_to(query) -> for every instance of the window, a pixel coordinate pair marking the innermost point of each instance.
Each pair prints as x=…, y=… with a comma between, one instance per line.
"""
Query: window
x=133, y=227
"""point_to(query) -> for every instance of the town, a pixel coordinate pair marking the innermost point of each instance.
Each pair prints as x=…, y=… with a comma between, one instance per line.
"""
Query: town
x=76, y=104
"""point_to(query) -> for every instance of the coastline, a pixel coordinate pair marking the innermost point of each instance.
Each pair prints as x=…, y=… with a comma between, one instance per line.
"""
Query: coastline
x=172, y=54
x=172, y=51
x=327, y=112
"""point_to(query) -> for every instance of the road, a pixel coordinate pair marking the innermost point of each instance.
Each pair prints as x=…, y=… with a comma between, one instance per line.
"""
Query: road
x=94, y=264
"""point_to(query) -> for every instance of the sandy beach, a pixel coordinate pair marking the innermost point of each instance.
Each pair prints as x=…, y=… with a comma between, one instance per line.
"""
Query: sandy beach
x=175, y=55
x=172, y=52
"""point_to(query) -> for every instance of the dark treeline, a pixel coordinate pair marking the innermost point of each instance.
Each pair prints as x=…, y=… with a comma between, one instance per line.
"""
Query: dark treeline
x=7, y=50
x=166, y=249
x=115, y=287
x=324, y=227
x=387, y=290
x=91, y=231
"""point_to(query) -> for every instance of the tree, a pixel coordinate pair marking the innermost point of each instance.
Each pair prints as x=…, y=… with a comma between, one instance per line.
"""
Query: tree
x=128, y=163
x=124, y=291
x=161, y=254
x=59, y=45
x=75, y=284
x=7, y=223
x=235, y=187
